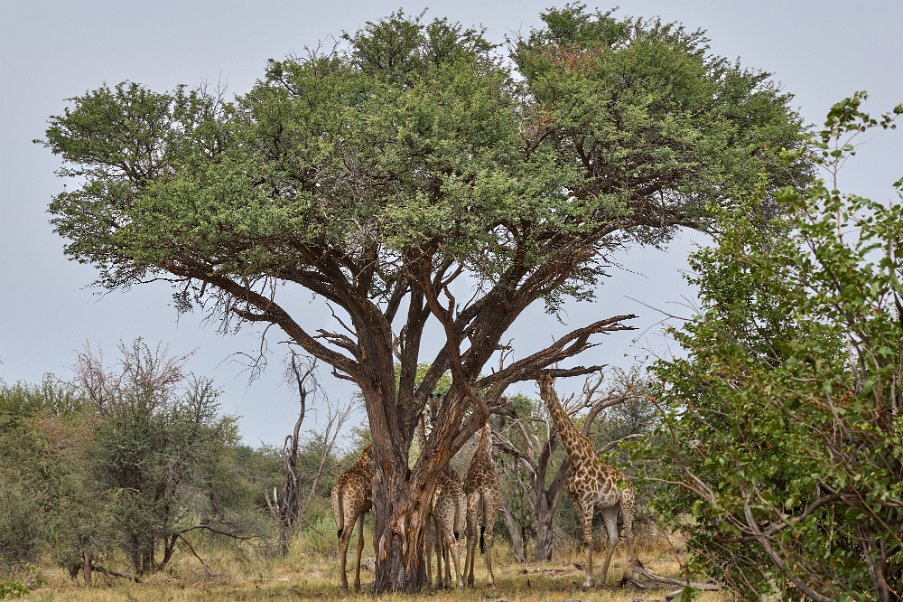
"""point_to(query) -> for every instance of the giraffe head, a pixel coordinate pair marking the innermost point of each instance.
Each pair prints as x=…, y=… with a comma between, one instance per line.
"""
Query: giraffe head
x=366, y=454
x=545, y=383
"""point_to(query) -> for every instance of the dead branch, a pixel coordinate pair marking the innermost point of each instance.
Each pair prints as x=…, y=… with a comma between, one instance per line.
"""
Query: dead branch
x=663, y=580
x=289, y=510
x=195, y=554
x=112, y=573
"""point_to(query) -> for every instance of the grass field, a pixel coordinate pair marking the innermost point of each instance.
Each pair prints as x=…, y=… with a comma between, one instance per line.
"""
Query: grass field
x=303, y=574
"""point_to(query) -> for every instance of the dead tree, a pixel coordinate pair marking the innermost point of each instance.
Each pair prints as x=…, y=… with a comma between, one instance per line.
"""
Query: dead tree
x=287, y=508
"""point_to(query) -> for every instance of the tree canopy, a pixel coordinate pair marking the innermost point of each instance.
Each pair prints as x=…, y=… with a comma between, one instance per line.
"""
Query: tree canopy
x=411, y=158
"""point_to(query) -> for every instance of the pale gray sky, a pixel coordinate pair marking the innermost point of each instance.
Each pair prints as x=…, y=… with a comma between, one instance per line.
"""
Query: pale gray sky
x=820, y=50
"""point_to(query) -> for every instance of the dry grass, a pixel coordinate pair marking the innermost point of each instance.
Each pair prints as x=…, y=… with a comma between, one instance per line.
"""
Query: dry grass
x=305, y=575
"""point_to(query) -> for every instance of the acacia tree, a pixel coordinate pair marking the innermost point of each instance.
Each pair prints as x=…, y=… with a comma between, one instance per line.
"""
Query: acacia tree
x=410, y=163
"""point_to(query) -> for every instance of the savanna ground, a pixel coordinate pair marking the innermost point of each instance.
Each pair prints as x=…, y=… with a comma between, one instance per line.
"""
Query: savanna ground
x=311, y=573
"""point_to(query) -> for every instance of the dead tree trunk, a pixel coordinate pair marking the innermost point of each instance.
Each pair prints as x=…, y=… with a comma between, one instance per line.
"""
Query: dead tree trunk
x=285, y=509
x=517, y=542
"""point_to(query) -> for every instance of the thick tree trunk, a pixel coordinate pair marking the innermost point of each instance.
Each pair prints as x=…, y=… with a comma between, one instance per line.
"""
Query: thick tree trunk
x=545, y=502
x=399, y=527
x=401, y=503
x=543, y=548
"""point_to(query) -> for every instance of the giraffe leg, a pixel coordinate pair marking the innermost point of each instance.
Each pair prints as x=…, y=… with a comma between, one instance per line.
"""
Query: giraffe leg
x=428, y=552
x=585, y=512
x=490, y=508
x=628, y=504
x=470, y=559
x=610, y=515
x=360, y=550
x=455, y=550
x=446, y=566
x=440, y=577
x=343, y=555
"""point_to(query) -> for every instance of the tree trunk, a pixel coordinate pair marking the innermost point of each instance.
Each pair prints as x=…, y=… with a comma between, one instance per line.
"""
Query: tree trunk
x=399, y=517
x=86, y=567
x=283, y=536
x=544, y=506
x=544, y=533
x=517, y=544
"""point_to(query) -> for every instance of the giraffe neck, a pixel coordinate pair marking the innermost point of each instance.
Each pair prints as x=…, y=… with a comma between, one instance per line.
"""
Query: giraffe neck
x=365, y=461
x=575, y=442
x=484, y=445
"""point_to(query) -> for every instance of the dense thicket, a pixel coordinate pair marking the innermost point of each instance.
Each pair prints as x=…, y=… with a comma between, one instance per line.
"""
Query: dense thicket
x=783, y=436
x=127, y=465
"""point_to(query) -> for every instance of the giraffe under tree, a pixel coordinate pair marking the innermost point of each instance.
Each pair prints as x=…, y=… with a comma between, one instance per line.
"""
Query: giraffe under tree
x=351, y=499
x=592, y=484
x=449, y=511
x=481, y=485
x=447, y=514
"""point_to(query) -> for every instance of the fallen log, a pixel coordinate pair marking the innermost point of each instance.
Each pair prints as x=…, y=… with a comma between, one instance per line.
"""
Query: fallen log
x=663, y=580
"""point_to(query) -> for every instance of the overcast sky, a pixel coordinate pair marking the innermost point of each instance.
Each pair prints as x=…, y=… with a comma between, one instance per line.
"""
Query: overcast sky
x=818, y=50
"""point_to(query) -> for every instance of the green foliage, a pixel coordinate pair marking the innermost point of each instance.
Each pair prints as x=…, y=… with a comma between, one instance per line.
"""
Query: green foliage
x=38, y=426
x=783, y=423
x=157, y=448
x=416, y=139
x=126, y=464
x=12, y=589
x=642, y=103
x=20, y=401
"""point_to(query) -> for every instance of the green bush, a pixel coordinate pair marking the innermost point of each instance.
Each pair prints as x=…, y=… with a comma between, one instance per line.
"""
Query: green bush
x=783, y=423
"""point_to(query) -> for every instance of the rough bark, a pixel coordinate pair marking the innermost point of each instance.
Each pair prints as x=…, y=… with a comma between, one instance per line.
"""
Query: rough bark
x=542, y=550
x=517, y=542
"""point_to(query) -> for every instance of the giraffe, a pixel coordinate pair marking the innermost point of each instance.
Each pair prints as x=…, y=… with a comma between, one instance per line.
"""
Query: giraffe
x=592, y=484
x=351, y=500
x=481, y=485
x=449, y=515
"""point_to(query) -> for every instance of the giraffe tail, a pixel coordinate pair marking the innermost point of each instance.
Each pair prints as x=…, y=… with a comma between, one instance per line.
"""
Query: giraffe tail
x=340, y=513
x=483, y=524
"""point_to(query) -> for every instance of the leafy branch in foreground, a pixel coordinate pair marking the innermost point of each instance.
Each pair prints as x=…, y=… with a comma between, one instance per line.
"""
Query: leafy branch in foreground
x=783, y=423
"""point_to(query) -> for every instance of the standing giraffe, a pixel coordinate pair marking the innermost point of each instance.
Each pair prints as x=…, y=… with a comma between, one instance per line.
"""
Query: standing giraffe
x=351, y=500
x=481, y=484
x=592, y=484
x=447, y=517
x=449, y=513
